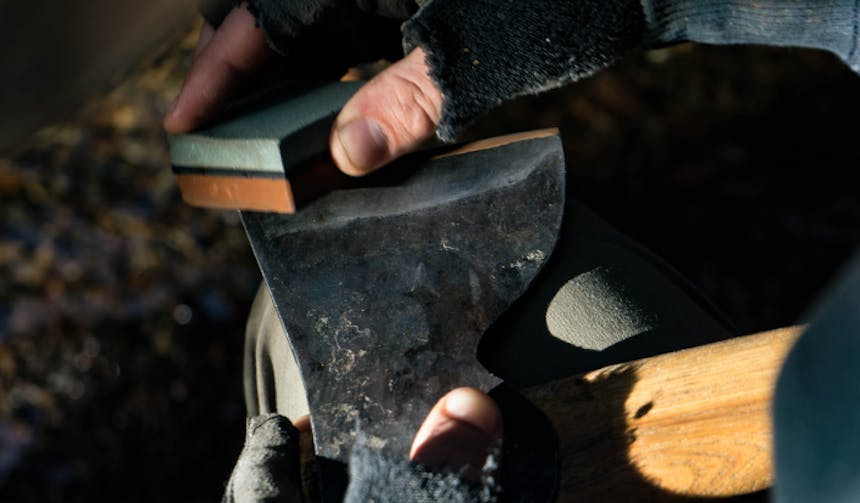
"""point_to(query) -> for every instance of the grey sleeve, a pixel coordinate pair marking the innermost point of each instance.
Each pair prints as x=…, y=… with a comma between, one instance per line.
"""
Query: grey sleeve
x=831, y=25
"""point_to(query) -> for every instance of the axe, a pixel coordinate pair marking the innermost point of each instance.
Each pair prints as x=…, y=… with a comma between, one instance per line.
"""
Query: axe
x=385, y=285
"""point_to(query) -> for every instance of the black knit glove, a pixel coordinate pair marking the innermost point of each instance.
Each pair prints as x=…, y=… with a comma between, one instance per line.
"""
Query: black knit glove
x=484, y=53
x=374, y=477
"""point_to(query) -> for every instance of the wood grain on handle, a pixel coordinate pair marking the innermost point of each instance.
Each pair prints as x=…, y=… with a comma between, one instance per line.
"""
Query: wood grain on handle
x=689, y=424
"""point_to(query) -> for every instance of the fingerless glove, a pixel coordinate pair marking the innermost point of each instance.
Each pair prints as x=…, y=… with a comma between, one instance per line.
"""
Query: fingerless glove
x=483, y=53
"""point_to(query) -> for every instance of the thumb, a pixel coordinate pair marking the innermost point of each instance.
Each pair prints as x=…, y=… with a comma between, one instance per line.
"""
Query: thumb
x=387, y=118
x=461, y=430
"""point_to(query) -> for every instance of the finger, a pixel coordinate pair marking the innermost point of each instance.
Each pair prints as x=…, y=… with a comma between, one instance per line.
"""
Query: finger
x=236, y=50
x=388, y=117
x=460, y=432
x=206, y=32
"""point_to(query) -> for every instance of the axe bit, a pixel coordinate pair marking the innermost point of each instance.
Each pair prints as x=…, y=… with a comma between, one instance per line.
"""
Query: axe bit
x=385, y=290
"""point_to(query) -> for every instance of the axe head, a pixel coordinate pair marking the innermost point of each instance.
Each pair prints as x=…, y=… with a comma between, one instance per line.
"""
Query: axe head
x=384, y=292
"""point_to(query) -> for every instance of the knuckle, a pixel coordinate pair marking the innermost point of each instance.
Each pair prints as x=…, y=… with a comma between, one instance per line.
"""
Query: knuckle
x=414, y=111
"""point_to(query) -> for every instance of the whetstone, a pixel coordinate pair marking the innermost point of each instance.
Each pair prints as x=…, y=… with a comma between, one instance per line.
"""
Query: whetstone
x=267, y=154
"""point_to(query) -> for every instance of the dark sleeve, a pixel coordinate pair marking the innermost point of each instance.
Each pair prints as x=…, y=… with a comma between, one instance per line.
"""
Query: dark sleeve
x=286, y=21
x=321, y=39
x=214, y=11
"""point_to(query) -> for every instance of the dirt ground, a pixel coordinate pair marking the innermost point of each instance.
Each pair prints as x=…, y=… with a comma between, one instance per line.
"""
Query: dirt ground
x=121, y=309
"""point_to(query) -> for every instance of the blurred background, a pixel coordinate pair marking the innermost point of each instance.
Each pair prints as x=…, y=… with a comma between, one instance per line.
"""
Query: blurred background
x=122, y=310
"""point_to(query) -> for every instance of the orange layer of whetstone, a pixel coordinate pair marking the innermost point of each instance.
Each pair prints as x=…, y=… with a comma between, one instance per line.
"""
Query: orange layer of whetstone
x=232, y=192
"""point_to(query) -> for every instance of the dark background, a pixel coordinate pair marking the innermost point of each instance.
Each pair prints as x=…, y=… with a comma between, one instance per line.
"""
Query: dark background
x=122, y=310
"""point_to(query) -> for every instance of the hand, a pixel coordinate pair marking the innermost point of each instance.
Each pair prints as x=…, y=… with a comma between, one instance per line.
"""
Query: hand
x=389, y=117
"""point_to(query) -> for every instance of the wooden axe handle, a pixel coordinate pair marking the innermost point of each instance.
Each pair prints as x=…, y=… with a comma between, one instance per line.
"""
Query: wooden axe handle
x=685, y=425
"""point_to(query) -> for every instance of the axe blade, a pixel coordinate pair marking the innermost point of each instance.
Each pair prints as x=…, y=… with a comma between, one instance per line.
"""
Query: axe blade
x=384, y=292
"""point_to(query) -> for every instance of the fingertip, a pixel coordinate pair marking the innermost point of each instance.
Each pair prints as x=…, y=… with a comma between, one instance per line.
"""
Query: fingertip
x=474, y=407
